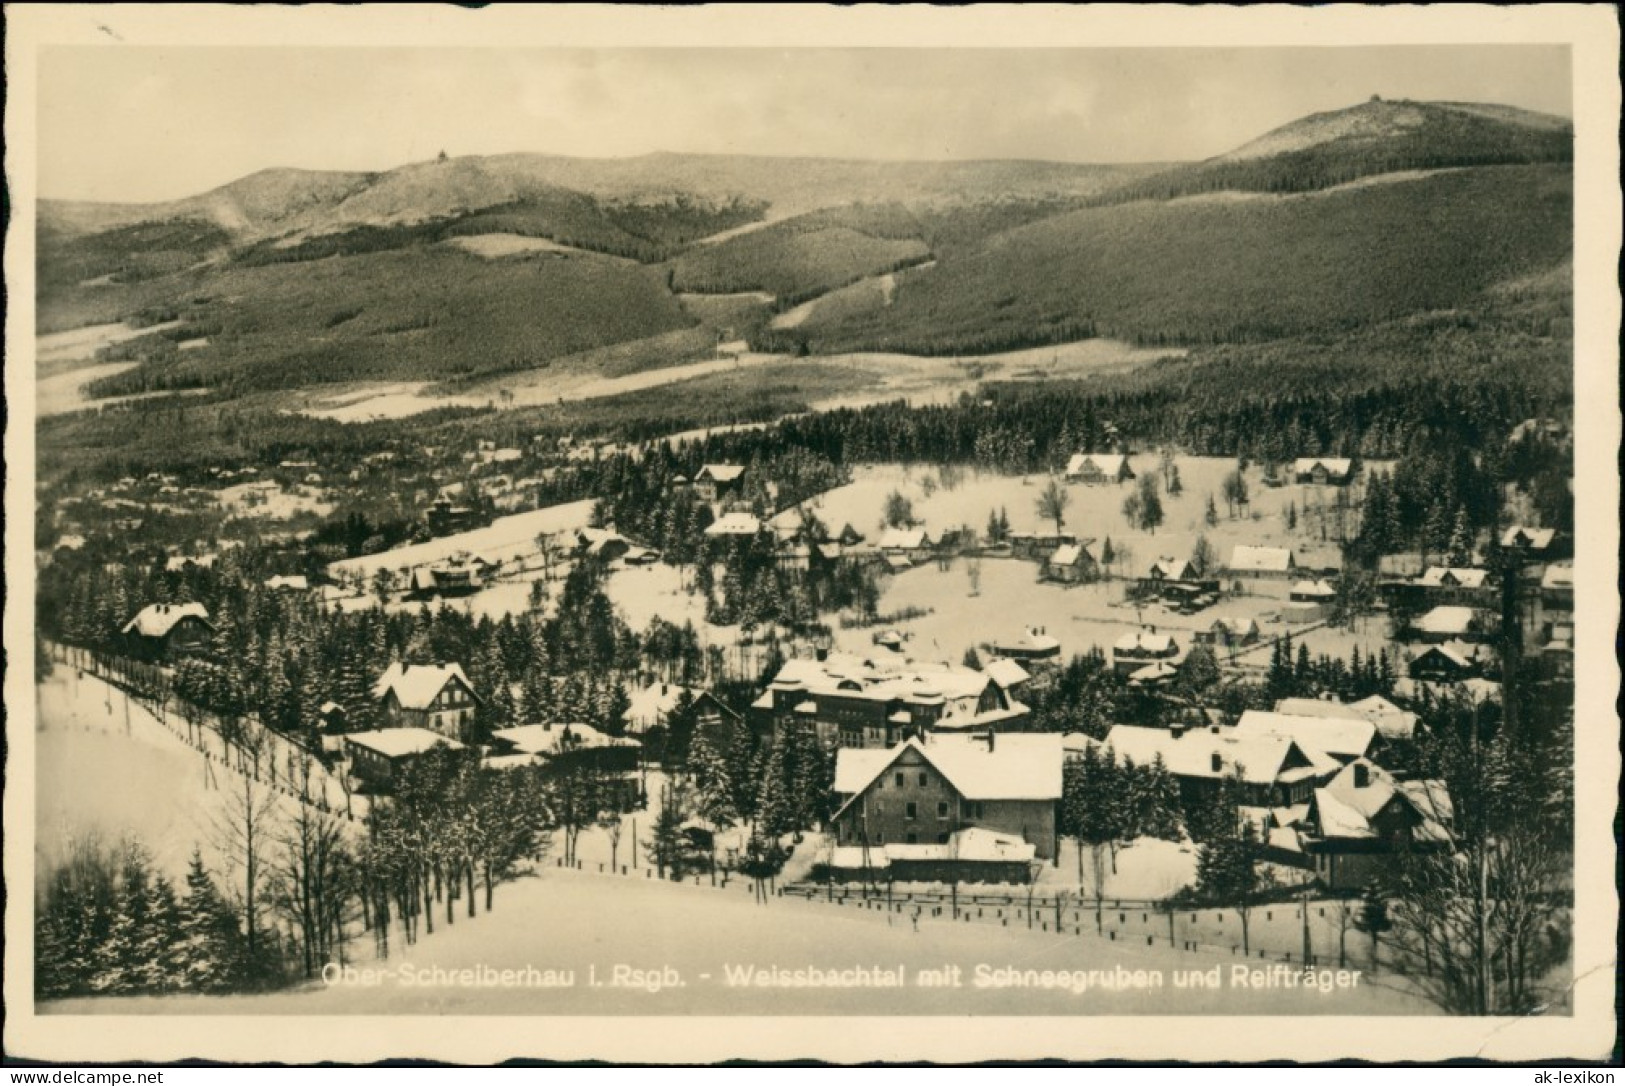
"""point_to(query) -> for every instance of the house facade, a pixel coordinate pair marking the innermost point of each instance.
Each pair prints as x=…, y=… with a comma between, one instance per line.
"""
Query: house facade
x=1323, y=471
x=926, y=791
x=377, y=757
x=1073, y=563
x=1142, y=648
x=167, y=631
x=716, y=482
x=437, y=698
x=1098, y=468
x=881, y=700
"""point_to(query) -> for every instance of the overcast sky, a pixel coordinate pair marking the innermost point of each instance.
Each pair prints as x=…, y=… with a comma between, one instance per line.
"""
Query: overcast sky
x=132, y=123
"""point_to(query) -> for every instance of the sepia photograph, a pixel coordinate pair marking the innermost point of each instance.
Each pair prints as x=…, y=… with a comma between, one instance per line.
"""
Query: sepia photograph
x=563, y=521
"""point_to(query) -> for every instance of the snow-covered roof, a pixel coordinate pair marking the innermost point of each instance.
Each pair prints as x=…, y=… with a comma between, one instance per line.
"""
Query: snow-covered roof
x=735, y=524
x=904, y=539
x=399, y=742
x=652, y=704
x=1333, y=465
x=1344, y=807
x=880, y=677
x=1534, y=538
x=1017, y=766
x=1071, y=554
x=295, y=581
x=1007, y=673
x=720, y=473
x=550, y=739
x=1338, y=736
x=1030, y=640
x=1446, y=620
x=1236, y=625
x=1152, y=673
x=1390, y=720
x=1247, y=558
x=1453, y=577
x=1263, y=758
x=157, y=619
x=417, y=685
x=1313, y=589
x=1144, y=642
x=1558, y=575
x=1172, y=569
x=1105, y=463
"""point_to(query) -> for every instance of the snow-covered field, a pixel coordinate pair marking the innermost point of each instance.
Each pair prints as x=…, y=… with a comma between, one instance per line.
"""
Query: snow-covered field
x=96, y=773
x=503, y=539
x=689, y=940
x=64, y=392
x=248, y=500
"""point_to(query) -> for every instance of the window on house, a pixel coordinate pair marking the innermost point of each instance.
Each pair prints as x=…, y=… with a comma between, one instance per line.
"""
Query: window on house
x=942, y=838
x=942, y=810
x=911, y=810
x=880, y=808
x=913, y=839
x=899, y=780
x=923, y=780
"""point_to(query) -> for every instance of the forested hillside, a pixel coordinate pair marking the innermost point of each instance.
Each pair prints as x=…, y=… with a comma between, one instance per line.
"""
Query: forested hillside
x=1224, y=270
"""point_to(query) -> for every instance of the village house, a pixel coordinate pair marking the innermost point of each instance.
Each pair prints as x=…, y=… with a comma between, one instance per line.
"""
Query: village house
x=460, y=577
x=652, y=706
x=1274, y=563
x=1343, y=738
x=1323, y=471
x=1393, y=724
x=909, y=544
x=437, y=697
x=445, y=518
x=1007, y=673
x=1039, y=546
x=1308, y=601
x=878, y=701
x=1554, y=620
x=739, y=525
x=1033, y=645
x=166, y=631
x=1452, y=585
x=1229, y=632
x=1360, y=819
x=1274, y=771
x=296, y=582
x=716, y=482
x=1448, y=623
x=377, y=757
x=1142, y=648
x=601, y=544
x=1073, y=563
x=1097, y=468
x=930, y=791
x=562, y=749
x=1444, y=664
x=1533, y=544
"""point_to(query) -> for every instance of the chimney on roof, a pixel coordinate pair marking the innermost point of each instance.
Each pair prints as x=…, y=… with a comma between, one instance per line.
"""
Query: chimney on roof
x=1362, y=775
x=821, y=653
x=1176, y=730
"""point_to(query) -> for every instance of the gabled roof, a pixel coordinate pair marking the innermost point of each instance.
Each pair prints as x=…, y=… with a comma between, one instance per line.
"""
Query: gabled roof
x=1343, y=809
x=296, y=581
x=1447, y=653
x=735, y=524
x=549, y=739
x=417, y=685
x=1453, y=577
x=1263, y=759
x=1030, y=640
x=1314, y=589
x=1534, y=538
x=1105, y=463
x=904, y=539
x=1240, y=626
x=1007, y=673
x=1341, y=737
x=1172, y=569
x=1248, y=558
x=399, y=742
x=1333, y=465
x=1152, y=673
x=1019, y=766
x=1446, y=620
x=157, y=619
x=1071, y=554
x=1145, y=642
x=720, y=473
